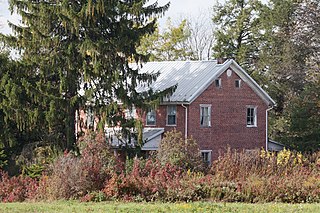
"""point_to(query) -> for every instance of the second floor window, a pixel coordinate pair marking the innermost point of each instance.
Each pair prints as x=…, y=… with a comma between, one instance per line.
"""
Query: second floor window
x=205, y=115
x=251, y=116
x=171, y=115
x=151, y=118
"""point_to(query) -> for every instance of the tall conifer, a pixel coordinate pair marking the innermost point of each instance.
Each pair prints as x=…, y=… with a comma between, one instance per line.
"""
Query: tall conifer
x=78, y=52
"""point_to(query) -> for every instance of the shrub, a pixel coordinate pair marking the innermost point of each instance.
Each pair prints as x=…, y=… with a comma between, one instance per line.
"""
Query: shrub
x=150, y=181
x=16, y=189
x=72, y=176
x=180, y=152
x=266, y=177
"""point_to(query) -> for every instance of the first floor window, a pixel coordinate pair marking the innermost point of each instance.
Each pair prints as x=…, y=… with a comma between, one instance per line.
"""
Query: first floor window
x=205, y=115
x=206, y=156
x=251, y=116
x=90, y=119
x=130, y=113
x=151, y=118
x=171, y=114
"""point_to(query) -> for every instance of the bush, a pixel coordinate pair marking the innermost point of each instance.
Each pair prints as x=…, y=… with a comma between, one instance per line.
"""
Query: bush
x=72, y=176
x=266, y=177
x=151, y=181
x=16, y=189
x=180, y=152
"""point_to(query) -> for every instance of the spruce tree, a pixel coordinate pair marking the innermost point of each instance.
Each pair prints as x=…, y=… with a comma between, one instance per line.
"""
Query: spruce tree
x=78, y=52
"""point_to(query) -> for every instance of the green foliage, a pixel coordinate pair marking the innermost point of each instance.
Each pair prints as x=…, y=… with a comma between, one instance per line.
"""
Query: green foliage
x=122, y=207
x=169, y=45
x=181, y=152
x=71, y=46
x=303, y=131
x=276, y=42
x=238, y=31
x=3, y=160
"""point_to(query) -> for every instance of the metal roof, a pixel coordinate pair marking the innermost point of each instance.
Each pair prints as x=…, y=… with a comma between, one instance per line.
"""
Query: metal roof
x=189, y=76
x=192, y=78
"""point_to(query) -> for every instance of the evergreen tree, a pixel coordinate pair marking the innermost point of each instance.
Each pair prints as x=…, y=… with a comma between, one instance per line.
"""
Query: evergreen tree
x=238, y=31
x=77, y=52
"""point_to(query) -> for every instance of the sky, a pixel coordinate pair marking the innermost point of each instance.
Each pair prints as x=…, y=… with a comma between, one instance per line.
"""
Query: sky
x=178, y=9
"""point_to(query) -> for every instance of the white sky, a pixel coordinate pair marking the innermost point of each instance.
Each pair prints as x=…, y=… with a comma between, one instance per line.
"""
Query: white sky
x=178, y=8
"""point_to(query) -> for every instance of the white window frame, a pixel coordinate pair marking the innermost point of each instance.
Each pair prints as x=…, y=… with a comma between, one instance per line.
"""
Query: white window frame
x=172, y=113
x=209, y=115
x=219, y=82
x=90, y=118
x=129, y=114
x=235, y=84
x=252, y=123
x=209, y=152
x=151, y=111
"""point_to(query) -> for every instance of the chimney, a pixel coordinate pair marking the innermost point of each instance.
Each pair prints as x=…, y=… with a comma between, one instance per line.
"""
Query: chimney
x=221, y=60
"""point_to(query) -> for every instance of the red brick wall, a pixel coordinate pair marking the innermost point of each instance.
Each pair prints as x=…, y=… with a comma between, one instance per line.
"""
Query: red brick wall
x=228, y=117
x=161, y=119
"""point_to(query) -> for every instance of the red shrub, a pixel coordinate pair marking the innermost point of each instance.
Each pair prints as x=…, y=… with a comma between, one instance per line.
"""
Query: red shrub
x=16, y=189
x=150, y=181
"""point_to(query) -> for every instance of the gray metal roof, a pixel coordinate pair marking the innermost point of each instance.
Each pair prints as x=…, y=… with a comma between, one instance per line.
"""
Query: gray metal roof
x=189, y=76
x=192, y=78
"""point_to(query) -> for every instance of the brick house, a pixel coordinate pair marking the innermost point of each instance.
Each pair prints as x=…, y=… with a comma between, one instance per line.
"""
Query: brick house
x=218, y=104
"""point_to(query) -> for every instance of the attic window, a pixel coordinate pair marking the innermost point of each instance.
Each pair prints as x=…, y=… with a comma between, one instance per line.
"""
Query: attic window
x=218, y=83
x=237, y=83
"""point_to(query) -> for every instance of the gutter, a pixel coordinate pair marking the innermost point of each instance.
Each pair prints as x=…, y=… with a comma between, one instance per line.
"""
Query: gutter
x=185, y=121
x=267, y=110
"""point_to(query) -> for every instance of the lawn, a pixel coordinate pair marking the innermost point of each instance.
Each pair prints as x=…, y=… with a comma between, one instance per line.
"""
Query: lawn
x=74, y=206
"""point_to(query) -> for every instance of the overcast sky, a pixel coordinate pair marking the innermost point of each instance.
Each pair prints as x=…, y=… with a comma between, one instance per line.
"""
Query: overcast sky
x=178, y=8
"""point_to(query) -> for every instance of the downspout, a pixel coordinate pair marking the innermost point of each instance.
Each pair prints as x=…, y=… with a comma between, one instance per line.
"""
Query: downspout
x=267, y=110
x=185, y=121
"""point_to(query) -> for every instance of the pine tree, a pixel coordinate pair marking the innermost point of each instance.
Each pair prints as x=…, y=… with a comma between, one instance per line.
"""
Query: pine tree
x=238, y=31
x=78, y=52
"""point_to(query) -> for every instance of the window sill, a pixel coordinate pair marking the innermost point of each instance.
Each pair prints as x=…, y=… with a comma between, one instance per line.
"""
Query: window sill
x=171, y=124
x=251, y=126
x=205, y=126
x=151, y=125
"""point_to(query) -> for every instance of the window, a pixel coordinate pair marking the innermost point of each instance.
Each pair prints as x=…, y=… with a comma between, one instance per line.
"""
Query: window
x=90, y=119
x=171, y=115
x=130, y=113
x=237, y=83
x=218, y=82
x=205, y=115
x=151, y=118
x=251, y=116
x=206, y=156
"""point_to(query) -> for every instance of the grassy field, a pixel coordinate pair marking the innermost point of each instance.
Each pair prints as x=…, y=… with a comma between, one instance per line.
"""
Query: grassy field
x=74, y=206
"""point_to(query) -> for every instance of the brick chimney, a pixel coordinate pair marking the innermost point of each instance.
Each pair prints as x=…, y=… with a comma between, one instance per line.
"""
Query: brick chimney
x=221, y=60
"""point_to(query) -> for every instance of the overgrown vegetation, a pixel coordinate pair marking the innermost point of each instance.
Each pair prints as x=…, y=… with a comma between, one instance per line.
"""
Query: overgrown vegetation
x=176, y=150
x=96, y=175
